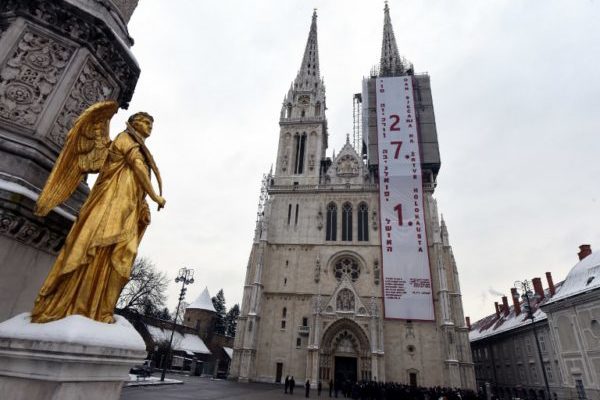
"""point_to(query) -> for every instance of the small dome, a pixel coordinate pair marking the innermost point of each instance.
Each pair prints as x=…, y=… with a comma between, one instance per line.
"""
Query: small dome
x=202, y=302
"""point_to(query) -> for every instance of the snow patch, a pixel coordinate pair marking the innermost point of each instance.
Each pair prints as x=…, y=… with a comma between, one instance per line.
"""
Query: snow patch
x=75, y=329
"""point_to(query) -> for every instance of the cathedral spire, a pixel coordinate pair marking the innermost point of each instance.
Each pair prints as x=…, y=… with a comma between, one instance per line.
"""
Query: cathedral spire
x=309, y=69
x=390, y=63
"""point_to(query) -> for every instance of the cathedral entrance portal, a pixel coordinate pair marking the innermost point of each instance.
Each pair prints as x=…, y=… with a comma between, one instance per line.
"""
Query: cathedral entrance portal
x=345, y=353
x=345, y=369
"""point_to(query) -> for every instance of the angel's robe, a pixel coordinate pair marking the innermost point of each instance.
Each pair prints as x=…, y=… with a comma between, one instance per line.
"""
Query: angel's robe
x=95, y=263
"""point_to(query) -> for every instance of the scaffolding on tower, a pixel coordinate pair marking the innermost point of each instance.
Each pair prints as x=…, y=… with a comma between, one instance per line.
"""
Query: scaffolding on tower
x=357, y=122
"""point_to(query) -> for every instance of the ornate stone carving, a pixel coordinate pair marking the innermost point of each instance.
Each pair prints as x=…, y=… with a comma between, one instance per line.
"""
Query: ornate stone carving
x=70, y=21
x=318, y=305
x=29, y=232
x=29, y=76
x=376, y=272
x=311, y=162
x=91, y=87
x=346, y=266
x=347, y=166
x=345, y=300
x=374, y=221
x=373, y=307
x=320, y=220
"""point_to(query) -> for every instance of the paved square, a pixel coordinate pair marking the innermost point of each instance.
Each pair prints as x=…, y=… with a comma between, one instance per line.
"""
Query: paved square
x=207, y=389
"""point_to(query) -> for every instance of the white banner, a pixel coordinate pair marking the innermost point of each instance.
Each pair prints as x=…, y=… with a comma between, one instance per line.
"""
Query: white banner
x=406, y=276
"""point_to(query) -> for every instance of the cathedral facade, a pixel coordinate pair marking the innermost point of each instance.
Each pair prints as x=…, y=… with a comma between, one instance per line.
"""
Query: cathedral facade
x=320, y=300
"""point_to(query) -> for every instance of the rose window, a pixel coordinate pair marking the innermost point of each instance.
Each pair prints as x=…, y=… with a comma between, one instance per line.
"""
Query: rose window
x=346, y=266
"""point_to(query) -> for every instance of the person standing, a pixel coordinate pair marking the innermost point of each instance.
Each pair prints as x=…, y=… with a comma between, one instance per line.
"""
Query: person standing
x=319, y=388
x=286, y=383
x=292, y=384
x=307, y=388
x=330, y=387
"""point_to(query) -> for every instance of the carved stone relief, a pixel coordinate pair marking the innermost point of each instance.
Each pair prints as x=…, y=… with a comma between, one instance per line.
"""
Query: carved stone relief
x=374, y=221
x=320, y=219
x=347, y=166
x=29, y=232
x=67, y=20
x=91, y=86
x=345, y=300
x=29, y=76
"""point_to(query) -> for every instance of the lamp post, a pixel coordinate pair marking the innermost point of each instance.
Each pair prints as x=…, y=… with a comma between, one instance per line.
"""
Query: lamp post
x=525, y=286
x=186, y=277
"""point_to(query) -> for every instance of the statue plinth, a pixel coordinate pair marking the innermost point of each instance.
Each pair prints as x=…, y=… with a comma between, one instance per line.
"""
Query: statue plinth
x=72, y=358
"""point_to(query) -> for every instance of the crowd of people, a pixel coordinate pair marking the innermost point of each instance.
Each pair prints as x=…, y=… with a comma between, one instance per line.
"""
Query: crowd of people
x=372, y=390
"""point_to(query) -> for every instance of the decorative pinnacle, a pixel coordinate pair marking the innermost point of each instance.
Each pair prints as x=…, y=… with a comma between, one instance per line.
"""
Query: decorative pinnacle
x=390, y=63
x=309, y=70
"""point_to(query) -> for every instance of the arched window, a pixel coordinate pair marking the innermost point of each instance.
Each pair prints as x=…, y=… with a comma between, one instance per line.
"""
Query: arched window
x=317, y=109
x=363, y=222
x=299, y=150
x=289, y=110
x=347, y=222
x=284, y=312
x=331, y=231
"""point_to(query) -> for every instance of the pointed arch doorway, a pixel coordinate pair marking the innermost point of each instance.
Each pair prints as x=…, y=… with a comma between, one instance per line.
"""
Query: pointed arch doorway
x=345, y=353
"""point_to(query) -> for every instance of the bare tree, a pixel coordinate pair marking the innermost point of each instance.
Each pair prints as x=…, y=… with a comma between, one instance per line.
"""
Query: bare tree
x=145, y=292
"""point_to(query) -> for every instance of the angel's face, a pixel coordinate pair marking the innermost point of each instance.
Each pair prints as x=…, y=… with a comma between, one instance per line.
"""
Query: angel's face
x=143, y=125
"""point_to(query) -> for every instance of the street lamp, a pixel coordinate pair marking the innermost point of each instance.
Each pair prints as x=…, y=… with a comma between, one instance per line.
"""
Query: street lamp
x=186, y=277
x=525, y=286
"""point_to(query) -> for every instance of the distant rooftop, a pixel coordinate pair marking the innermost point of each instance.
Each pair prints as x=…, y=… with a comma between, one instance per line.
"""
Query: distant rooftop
x=583, y=277
x=203, y=302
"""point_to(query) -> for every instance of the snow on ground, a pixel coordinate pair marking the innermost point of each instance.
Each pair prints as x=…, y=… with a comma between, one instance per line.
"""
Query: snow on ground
x=151, y=380
x=75, y=329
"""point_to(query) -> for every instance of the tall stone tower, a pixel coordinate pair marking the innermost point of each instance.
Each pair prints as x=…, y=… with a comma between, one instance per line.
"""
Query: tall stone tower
x=56, y=59
x=351, y=275
x=302, y=124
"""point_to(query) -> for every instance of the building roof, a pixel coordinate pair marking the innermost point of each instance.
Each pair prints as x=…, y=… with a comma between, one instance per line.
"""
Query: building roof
x=493, y=325
x=202, y=302
x=181, y=342
x=229, y=352
x=583, y=277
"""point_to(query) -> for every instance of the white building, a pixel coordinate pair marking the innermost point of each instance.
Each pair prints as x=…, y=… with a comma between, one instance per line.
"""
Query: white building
x=313, y=303
x=574, y=320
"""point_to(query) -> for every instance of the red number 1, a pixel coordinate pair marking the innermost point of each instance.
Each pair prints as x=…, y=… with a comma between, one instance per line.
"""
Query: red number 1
x=398, y=210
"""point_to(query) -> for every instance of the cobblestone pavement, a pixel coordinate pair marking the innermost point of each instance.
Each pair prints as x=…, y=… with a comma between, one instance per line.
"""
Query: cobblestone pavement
x=197, y=388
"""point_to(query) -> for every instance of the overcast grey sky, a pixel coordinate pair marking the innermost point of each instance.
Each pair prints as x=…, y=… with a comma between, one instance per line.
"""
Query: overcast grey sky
x=516, y=89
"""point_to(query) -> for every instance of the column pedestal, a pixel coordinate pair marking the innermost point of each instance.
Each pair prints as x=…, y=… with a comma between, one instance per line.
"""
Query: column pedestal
x=73, y=358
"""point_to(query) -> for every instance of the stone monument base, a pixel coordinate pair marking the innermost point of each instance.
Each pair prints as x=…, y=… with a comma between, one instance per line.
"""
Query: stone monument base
x=73, y=358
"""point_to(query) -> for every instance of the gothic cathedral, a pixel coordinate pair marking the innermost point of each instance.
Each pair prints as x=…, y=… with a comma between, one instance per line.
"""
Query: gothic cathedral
x=340, y=283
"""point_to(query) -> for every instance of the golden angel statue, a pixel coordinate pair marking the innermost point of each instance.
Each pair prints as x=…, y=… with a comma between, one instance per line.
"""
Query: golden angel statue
x=95, y=263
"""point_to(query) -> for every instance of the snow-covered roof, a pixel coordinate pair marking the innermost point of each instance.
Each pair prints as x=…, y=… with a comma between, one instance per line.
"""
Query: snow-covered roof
x=186, y=342
x=492, y=325
x=583, y=277
x=203, y=302
x=229, y=351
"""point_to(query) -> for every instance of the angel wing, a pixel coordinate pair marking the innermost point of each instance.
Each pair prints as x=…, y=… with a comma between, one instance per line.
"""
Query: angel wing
x=85, y=151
